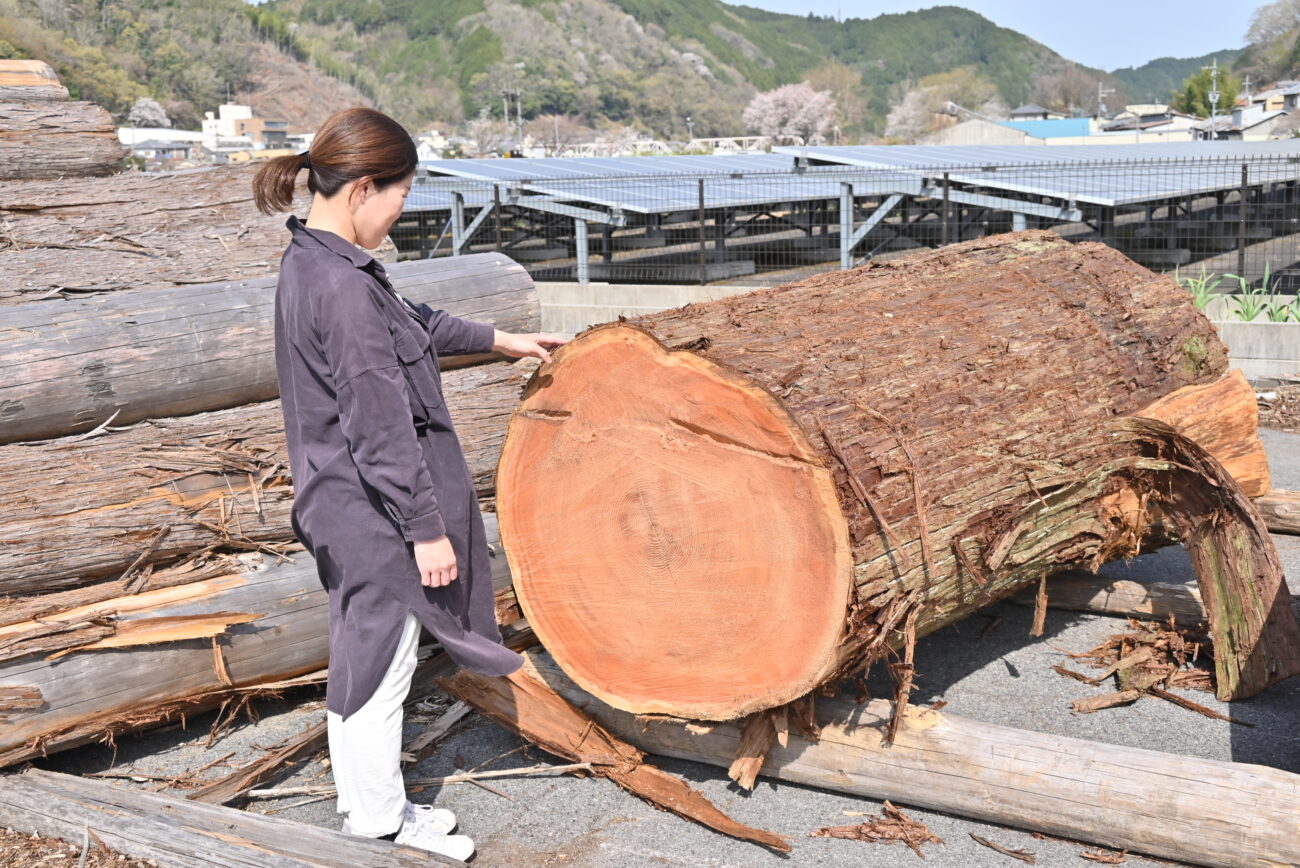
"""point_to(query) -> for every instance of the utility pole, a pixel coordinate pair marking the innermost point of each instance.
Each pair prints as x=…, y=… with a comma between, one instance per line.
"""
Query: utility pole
x=690, y=128
x=505, y=105
x=1214, y=97
x=1102, y=93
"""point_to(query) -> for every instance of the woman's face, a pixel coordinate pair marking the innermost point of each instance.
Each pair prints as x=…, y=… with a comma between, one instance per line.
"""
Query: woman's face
x=377, y=210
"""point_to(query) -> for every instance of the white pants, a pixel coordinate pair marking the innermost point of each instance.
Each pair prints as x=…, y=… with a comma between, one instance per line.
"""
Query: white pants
x=366, y=749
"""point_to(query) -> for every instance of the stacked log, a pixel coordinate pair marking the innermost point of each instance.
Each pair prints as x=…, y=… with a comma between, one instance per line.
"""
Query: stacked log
x=68, y=365
x=130, y=231
x=45, y=135
x=780, y=486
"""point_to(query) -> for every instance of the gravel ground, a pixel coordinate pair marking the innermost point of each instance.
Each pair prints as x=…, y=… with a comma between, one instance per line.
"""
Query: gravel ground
x=1004, y=677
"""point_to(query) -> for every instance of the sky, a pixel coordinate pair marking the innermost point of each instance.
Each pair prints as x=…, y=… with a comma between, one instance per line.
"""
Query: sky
x=1105, y=34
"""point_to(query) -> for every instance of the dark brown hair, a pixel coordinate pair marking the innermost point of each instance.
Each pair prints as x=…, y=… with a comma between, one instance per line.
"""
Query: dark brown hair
x=350, y=144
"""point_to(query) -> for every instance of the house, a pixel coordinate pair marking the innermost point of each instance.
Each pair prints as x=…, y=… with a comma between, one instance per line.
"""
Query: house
x=1282, y=96
x=232, y=125
x=1034, y=112
x=1250, y=123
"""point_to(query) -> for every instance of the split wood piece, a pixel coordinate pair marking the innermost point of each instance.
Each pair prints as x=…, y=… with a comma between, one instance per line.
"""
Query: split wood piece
x=67, y=366
x=527, y=707
x=235, y=785
x=177, y=833
x=135, y=230
x=1223, y=418
x=422, y=746
x=82, y=510
x=94, y=696
x=1206, y=812
x=1281, y=510
x=26, y=80
x=744, y=515
x=47, y=139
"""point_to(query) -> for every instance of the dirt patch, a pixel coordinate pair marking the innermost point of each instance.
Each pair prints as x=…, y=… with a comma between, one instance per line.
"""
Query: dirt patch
x=18, y=850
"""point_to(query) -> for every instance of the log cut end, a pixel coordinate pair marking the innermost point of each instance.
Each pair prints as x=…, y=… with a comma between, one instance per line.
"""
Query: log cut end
x=689, y=523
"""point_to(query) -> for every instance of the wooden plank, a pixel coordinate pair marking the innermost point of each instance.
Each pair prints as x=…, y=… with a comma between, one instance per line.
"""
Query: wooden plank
x=184, y=834
x=1205, y=812
x=67, y=366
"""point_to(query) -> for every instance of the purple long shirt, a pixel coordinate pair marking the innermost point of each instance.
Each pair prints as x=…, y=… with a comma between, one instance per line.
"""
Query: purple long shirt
x=376, y=463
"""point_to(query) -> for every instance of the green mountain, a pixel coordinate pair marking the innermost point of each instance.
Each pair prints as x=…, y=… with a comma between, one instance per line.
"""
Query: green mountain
x=644, y=63
x=1156, y=81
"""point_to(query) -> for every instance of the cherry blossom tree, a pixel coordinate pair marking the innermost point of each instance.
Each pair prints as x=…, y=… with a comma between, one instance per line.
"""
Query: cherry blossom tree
x=792, y=111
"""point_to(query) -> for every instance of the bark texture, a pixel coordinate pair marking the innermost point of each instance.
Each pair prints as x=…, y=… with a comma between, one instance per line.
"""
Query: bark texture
x=805, y=475
x=66, y=366
x=45, y=139
x=83, y=510
x=133, y=230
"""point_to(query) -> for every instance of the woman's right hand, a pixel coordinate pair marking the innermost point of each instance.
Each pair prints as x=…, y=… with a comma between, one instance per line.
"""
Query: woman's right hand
x=436, y=561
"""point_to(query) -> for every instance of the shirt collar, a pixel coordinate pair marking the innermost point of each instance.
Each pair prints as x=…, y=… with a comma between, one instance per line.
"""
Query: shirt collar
x=330, y=240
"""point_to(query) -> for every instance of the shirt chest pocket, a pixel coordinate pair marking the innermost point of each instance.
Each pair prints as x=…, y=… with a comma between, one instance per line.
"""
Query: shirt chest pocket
x=419, y=365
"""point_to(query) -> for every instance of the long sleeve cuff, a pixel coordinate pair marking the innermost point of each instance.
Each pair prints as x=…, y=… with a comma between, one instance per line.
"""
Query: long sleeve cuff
x=422, y=528
x=482, y=336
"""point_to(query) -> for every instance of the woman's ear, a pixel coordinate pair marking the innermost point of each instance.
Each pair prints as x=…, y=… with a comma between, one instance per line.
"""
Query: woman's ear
x=361, y=189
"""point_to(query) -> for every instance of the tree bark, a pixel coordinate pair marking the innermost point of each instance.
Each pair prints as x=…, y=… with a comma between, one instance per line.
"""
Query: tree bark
x=279, y=617
x=177, y=833
x=777, y=486
x=46, y=139
x=132, y=230
x=68, y=366
x=1206, y=812
x=86, y=509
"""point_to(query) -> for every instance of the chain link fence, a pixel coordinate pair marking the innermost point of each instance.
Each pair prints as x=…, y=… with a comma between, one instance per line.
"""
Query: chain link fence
x=1222, y=225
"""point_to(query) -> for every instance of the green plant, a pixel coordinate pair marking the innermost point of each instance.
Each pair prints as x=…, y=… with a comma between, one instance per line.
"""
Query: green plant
x=1250, y=301
x=1202, y=288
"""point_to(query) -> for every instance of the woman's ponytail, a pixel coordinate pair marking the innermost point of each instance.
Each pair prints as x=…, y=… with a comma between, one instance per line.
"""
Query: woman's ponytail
x=274, y=183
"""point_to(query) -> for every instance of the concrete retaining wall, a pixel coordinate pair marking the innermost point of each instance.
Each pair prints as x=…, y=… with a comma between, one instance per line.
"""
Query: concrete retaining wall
x=1263, y=349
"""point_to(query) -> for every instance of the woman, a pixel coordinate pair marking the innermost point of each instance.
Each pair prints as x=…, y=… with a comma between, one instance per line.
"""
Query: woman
x=384, y=500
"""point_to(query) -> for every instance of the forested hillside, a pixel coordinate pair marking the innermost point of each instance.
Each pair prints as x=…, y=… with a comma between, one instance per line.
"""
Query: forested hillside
x=646, y=64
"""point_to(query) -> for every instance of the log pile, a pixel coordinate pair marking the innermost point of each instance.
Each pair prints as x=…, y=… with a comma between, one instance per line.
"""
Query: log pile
x=44, y=135
x=805, y=477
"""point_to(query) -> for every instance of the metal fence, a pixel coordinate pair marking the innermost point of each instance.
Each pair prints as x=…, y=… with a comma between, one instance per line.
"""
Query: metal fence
x=1233, y=221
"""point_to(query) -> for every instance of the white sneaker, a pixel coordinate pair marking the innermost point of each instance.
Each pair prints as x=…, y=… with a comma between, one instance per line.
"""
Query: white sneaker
x=440, y=820
x=422, y=836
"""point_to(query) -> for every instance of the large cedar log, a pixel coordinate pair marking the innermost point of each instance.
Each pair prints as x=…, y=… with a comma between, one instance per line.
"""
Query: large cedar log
x=69, y=365
x=1206, y=812
x=713, y=510
x=134, y=230
x=45, y=139
x=124, y=663
x=1281, y=510
x=84, y=509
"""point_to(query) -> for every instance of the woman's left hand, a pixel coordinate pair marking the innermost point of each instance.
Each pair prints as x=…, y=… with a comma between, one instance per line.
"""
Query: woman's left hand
x=527, y=346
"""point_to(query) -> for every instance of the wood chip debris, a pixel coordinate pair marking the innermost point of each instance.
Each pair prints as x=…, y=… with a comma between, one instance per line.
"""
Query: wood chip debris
x=1148, y=660
x=1104, y=856
x=893, y=826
